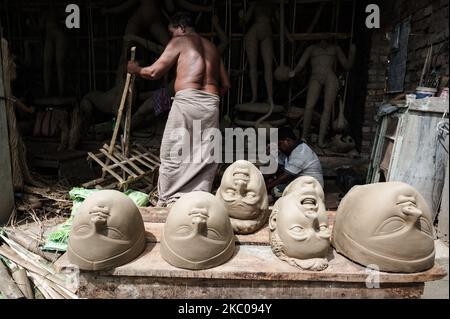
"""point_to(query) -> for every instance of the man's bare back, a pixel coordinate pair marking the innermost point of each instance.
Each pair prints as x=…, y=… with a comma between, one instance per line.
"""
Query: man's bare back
x=199, y=65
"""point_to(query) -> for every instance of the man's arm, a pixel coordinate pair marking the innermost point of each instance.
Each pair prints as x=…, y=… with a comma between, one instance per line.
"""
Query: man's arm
x=224, y=79
x=284, y=178
x=158, y=69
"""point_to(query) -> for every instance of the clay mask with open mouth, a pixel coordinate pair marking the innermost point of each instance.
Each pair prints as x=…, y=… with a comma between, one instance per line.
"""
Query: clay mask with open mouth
x=243, y=191
x=310, y=205
x=387, y=225
x=197, y=233
x=296, y=224
x=107, y=232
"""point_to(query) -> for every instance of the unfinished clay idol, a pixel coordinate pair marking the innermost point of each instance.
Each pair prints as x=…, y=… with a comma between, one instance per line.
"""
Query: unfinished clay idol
x=107, y=232
x=296, y=234
x=244, y=194
x=386, y=226
x=197, y=233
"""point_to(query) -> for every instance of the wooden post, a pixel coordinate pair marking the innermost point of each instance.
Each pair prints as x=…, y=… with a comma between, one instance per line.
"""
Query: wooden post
x=6, y=185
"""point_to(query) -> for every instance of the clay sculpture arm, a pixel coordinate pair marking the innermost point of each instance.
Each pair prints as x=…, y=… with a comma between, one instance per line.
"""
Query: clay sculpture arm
x=158, y=69
x=224, y=41
x=347, y=64
x=245, y=19
x=120, y=8
x=149, y=45
x=193, y=7
x=302, y=62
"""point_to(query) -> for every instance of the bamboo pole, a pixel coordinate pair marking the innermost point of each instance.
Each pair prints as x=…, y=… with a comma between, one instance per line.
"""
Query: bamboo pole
x=30, y=244
x=44, y=287
x=22, y=281
x=8, y=287
x=29, y=266
x=120, y=111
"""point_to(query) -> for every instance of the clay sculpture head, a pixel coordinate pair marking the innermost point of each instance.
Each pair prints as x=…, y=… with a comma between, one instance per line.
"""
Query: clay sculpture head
x=243, y=191
x=388, y=225
x=296, y=233
x=107, y=232
x=197, y=233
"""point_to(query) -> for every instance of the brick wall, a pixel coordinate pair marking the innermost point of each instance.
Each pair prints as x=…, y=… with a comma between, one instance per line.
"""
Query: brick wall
x=429, y=25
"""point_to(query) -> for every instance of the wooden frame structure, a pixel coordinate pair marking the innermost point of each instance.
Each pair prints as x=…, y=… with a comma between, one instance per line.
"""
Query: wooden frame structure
x=121, y=171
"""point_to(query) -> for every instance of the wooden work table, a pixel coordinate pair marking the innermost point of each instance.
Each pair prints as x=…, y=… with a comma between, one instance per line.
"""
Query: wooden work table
x=253, y=272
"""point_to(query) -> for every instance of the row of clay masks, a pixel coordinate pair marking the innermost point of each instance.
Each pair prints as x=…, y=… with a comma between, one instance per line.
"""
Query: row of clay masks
x=387, y=226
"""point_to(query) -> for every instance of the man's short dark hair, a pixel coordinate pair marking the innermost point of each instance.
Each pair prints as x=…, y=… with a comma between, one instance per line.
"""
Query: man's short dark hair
x=286, y=132
x=182, y=20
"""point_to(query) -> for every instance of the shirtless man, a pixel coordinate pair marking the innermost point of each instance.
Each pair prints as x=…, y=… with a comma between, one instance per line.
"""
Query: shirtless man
x=200, y=78
x=323, y=57
x=148, y=20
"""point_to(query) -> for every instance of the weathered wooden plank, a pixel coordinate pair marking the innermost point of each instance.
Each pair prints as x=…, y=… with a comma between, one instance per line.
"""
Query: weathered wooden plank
x=93, y=286
x=259, y=263
x=420, y=155
x=432, y=104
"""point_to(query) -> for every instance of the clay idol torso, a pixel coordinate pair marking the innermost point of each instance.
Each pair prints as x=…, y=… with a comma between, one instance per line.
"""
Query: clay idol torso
x=244, y=194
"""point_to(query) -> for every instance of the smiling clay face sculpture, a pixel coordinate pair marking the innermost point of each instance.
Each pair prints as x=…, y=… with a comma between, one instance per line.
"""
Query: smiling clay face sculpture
x=107, y=232
x=385, y=224
x=244, y=194
x=298, y=225
x=197, y=233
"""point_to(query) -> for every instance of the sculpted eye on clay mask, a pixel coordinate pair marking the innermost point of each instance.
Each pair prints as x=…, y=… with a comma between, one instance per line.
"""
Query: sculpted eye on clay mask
x=197, y=233
x=243, y=191
x=107, y=232
x=385, y=224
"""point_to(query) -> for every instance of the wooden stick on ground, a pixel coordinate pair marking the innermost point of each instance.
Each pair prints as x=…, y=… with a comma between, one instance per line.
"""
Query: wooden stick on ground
x=8, y=287
x=30, y=244
x=22, y=281
x=11, y=255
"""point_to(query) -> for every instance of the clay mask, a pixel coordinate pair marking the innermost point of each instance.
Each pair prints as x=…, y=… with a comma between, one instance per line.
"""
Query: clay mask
x=298, y=225
x=107, y=232
x=243, y=191
x=387, y=225
x=197, y=233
